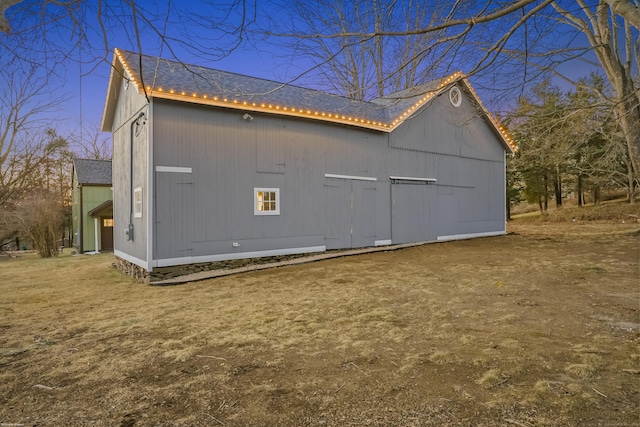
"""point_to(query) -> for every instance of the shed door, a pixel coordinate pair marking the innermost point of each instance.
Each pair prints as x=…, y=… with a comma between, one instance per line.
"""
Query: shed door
x=411, y=220
x=350, y=213
x=106, y=233
x=174, y=211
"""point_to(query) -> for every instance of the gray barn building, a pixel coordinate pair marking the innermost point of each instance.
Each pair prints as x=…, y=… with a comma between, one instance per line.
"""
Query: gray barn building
x=211, y=166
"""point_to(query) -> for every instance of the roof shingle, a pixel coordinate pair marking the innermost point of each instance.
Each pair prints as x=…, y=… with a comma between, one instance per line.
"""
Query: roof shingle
x=89, y=171
x=166, y=79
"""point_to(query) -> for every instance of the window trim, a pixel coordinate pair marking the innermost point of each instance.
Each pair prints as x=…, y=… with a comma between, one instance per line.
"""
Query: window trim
x=137, y=202
x=455, y=96
x=256, y=201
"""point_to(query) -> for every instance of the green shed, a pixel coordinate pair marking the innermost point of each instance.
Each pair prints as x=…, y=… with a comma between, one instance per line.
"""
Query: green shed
x=92, y=208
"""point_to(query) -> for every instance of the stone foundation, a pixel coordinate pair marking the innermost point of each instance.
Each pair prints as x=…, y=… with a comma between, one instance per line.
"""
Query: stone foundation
x=132, y=270
x=164, y=273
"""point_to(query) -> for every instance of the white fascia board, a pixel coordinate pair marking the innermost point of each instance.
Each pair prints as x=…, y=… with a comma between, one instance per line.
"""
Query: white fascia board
x=353, y=177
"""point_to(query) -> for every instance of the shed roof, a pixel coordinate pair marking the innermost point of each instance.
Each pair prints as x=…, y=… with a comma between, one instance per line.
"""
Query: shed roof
x=162, y=78
x=90, y=171
x=101, y=207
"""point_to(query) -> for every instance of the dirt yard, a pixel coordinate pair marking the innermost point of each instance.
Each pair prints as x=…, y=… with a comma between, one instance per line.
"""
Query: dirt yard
x=537, y=328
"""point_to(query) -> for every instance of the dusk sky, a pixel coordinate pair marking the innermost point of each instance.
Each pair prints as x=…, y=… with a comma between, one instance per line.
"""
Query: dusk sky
x=208, y=39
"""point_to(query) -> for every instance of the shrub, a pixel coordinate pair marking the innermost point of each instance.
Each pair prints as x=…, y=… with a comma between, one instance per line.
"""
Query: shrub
x=39, y=217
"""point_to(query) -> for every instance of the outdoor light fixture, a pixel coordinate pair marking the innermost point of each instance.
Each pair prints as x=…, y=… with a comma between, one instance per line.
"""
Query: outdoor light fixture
x=247, y=116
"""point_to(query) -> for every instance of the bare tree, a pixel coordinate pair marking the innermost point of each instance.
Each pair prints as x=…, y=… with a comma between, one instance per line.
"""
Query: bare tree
x=92, y=144
x=25, y=97
x=611, y=28
x=38, y=217
x=39, y=160
x=519, y=38
x=56, y=29
x=363, y=67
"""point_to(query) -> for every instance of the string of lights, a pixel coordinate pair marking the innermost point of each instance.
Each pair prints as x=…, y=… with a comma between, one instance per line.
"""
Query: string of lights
x=220, y=101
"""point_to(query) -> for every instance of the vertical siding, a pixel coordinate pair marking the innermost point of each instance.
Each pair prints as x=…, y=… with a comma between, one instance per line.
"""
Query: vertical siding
x=92, y=196
x=457, y=147
x=129, y=105
x=207, y=211
x=75, y=210
x=363, y=213
x=338, y=213
x=413, y=214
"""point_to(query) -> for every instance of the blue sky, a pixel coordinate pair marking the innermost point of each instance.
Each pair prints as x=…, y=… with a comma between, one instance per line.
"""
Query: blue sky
x=202, y=34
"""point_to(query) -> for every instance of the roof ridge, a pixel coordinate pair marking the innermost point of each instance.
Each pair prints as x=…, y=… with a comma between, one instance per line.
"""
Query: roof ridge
x=167, y=79
x=186, y=65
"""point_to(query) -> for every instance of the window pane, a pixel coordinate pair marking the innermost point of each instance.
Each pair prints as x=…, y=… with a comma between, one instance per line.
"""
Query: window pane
x=266, y=201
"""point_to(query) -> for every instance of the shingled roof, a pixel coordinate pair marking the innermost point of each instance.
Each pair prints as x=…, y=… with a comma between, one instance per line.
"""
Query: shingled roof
x=162, y=78
x=93, y=172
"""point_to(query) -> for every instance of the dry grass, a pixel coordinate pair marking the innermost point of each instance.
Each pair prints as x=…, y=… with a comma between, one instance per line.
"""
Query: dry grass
x=540, y=327
x=617, y=210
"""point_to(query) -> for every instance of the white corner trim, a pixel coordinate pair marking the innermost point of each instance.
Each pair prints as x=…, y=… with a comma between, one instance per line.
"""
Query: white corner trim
x=358, y=178
x=411, y=178
x=174, y=169
x=151, y=206
x=470, y=235
x=168, y=262
x=382, y=242
x=131, y=259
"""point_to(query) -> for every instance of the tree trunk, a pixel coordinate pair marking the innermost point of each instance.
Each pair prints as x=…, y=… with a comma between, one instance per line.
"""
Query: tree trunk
x=596, y=195
x=632, y=187
x=546, y=192
x=629, y=119
x=540, y=204
x=557, y=188
x=508, y=209
x=579, y=191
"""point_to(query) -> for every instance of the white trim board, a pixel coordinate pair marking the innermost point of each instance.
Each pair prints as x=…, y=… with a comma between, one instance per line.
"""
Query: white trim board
x=151, y=204
x=168, y=262
x=131, y=259
x=357, y=178
x=470, y=235
x=173, y=169
x=382, y=242
x=410, y=178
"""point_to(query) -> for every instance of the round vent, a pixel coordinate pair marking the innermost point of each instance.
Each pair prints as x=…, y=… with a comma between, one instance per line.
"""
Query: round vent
x=455, y=96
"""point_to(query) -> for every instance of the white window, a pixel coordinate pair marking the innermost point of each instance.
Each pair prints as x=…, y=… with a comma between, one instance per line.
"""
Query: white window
x=267, y=201
x=455, y=96
x=137, y=202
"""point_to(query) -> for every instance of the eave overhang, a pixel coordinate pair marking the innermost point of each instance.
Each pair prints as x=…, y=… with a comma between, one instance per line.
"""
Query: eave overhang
x=120, y=68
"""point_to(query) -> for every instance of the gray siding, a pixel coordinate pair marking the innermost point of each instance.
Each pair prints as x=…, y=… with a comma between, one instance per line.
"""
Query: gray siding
x=350, y=213
x=129, y=105
x=209, y=212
